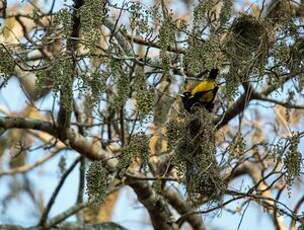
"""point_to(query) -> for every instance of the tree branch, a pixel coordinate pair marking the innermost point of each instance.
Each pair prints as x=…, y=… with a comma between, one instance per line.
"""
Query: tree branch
x=89, y=149
x=182, y=208
x=64, y=215
x=155, y=205
x=66, y=93
x=27, y=168
x=238, y=107
x=70, y=226
x=295, y=211
x=27, y=123
x=56, y=191
x=249, y=94
x=284, y=104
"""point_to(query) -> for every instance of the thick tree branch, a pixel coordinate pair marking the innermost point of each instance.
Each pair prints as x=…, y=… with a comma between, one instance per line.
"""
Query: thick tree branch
x=27, y=123
x=155, y=205
x=238, y=107
x=89, y=149
x=243, y=101
x=182, y=208
x=66, y=93
x=70, y=226
x=176, y=201
x=295, y=211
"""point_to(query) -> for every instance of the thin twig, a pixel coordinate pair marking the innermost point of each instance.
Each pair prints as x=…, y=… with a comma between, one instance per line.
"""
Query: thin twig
x=44, y=215
x=27, y=168
x=243, y=214
x=64, y=215
x=284, y=104
x=81, y=183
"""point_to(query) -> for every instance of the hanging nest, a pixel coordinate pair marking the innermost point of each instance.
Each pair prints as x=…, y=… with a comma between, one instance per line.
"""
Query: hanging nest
x=282, y=11
x=245, y=45
x=296, y=60
x=247, y=37
x=203, y=180
x=195, y=156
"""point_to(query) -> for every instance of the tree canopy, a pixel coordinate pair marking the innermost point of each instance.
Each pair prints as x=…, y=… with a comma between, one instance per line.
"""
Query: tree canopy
x=102, y=81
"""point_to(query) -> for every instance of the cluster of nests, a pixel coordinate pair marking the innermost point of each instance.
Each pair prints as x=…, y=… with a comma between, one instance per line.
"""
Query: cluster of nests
x=247, y=41
x=195, y=149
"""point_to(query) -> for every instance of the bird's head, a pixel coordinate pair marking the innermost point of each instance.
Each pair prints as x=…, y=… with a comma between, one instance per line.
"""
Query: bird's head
x=213, y=73
x=186, y=95
x=187, y=101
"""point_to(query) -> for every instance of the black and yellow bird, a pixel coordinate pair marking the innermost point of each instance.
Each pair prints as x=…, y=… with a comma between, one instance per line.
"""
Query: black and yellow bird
x=203, y=94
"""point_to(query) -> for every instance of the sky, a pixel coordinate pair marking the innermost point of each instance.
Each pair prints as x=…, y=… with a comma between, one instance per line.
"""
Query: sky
x=127, y=212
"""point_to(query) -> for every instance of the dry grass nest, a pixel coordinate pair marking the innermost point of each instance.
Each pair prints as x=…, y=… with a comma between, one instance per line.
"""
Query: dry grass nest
x=247, y=35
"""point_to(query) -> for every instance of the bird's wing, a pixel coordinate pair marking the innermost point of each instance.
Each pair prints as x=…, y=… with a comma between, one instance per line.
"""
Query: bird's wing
x=203, y=87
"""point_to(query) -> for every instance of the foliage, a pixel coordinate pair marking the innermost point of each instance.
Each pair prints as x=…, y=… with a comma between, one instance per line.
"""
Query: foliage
x=293, y=160
x=91, y=15
x=137, y=148
x=96, y=182
x=7, y=66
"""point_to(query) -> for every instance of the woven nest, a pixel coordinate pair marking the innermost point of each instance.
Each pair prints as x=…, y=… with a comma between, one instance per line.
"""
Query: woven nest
x=196, y=151
x=280, y=11
x=296, y=60
x=204, y=182
x=247, y=35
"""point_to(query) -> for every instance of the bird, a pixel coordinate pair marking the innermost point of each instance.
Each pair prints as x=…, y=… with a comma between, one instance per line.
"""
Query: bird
x=203, y=94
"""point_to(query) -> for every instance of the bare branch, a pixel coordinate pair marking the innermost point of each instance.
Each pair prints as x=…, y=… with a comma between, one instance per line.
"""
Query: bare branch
x=56, y=191
x=155, y=205
x=27, y=123
x=295, y=211
x=182, y=208
x=27, y=168
x=284, y=104
x=64, y=215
